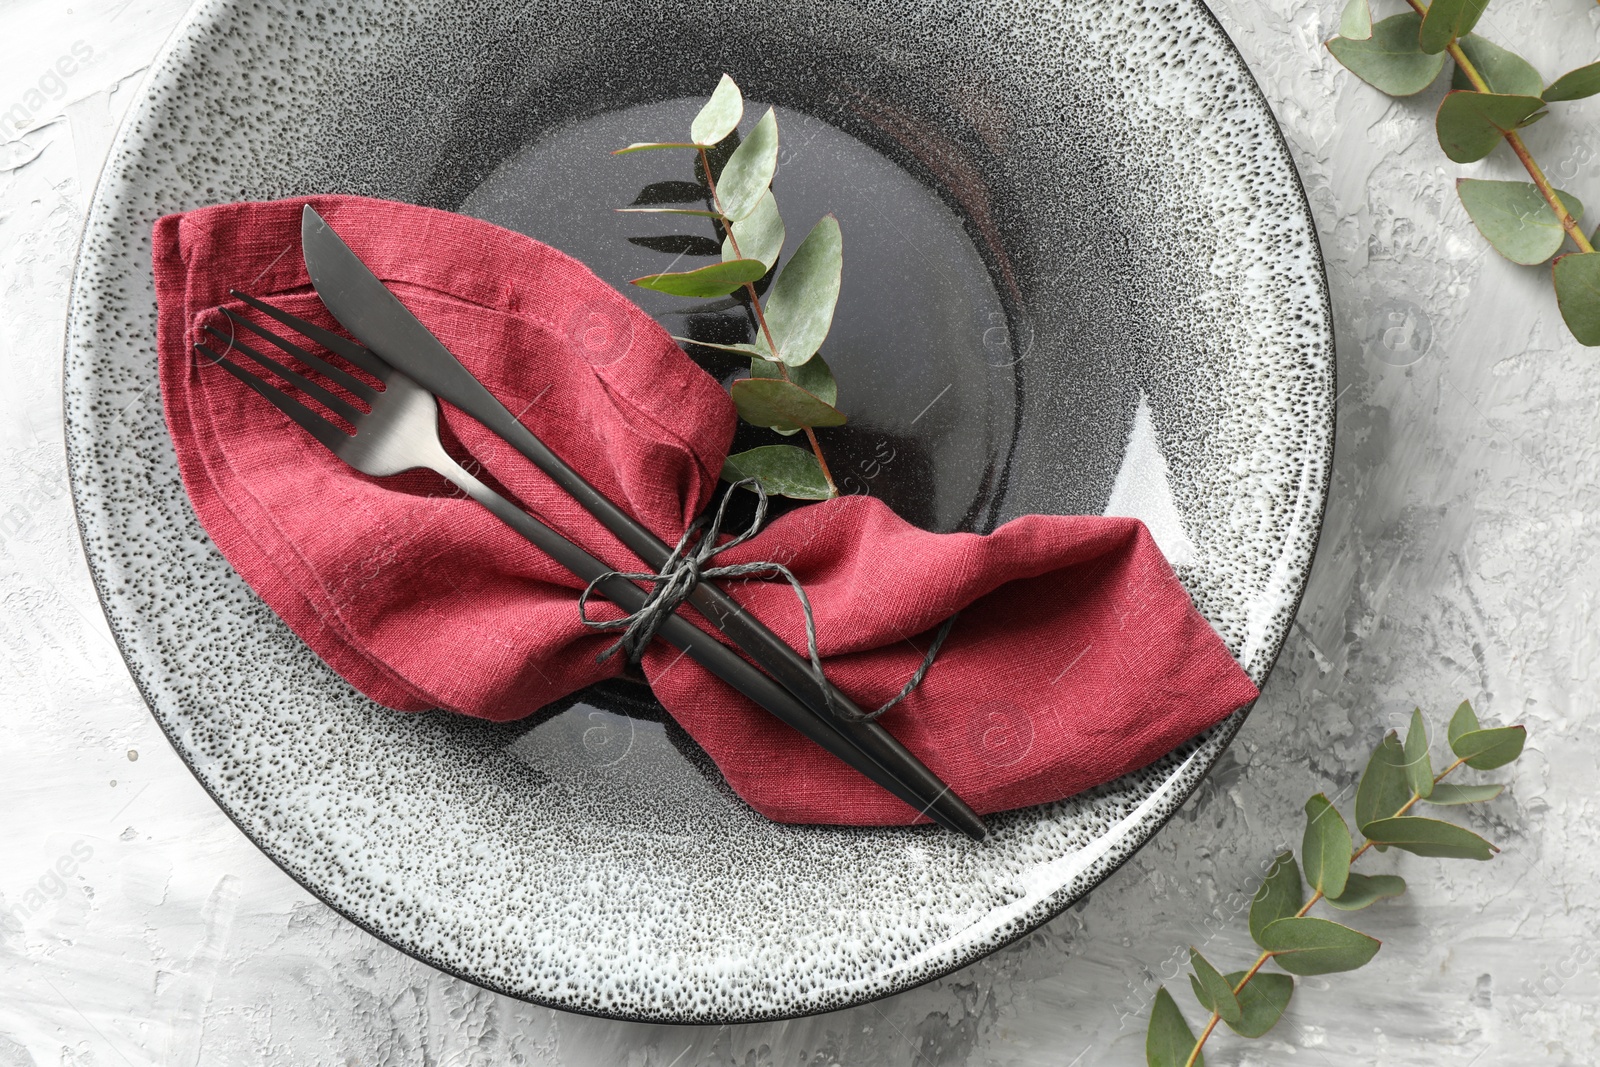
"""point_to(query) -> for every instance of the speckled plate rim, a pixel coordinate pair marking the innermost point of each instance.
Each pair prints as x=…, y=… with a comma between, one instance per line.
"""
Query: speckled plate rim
x=1150, y=816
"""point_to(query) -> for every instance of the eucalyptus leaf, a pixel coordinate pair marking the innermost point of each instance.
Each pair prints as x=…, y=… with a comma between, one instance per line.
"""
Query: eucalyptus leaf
x=1419, y=769
x=1325, y=848
x=1280, y=895
x=1169, y=1041
x=1484, y=750
x=1363, y=890
x=1502, y=70
x=1429, y=837
x=1464, y=721
x=670, y=192
x=1211, y=989
x=749, y=171
x=743, y=349
x=814, y=376
x=759, y=235
x=720, y=116
x=1446, y=20
x=678, y=244
x=1262, y=1001
x=782, y=405
x=1446, y=793
x=1355, y=21
x=1515, y=219
x=1307, y=946
x=650, y=146
x=1383, y=790
x=1390, y=60
x=699, y=212
x=799, y=308
x=1575, y=84
x=719, y=279
x=783, y=470
x=1577, y=280
x=1471, y=124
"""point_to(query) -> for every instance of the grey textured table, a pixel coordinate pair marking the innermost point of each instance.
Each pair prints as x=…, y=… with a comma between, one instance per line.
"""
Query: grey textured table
x=137, y=926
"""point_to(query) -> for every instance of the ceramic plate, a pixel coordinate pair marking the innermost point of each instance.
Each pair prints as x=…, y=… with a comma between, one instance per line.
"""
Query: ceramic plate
x=1124, y=310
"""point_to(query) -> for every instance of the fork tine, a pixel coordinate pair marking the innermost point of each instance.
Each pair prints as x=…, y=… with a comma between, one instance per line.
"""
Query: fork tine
x=340, y=377
x=360, y=355
x=330, y=400
x=330, y=435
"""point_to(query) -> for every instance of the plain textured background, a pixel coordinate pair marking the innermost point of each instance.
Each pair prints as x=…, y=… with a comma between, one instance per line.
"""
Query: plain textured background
x=1457, y=560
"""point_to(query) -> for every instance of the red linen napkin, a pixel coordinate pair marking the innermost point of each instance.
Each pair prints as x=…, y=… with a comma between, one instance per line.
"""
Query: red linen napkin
x=1078, y=656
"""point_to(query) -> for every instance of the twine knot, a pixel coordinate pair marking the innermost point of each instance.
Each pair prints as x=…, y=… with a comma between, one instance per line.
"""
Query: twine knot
x=687, y=566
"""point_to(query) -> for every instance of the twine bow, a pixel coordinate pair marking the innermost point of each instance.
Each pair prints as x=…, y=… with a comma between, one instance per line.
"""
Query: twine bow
x=687, y=566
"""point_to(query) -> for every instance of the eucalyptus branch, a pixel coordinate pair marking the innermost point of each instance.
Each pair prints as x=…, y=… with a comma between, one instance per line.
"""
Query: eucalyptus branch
x=1514, y=139
x=1316, y=896
x=1398, y=777
x=766, y=331
x=1495, y=93
x=790, y=388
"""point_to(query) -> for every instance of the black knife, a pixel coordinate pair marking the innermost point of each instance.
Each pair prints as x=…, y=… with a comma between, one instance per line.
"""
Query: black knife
x=365, y=306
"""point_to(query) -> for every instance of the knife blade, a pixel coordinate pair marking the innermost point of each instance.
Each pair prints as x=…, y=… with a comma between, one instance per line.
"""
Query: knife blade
x=361, y=303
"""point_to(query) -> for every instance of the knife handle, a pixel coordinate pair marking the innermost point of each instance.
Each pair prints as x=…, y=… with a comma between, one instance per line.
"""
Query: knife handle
x=748, y=632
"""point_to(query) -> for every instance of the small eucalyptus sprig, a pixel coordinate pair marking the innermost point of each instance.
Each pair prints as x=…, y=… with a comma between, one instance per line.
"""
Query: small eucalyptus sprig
x=790, y=388
x=1398, y=777
x=1494, y=94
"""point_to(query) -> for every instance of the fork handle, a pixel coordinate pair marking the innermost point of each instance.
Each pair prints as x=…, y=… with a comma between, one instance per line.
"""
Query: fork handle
x=705, y=650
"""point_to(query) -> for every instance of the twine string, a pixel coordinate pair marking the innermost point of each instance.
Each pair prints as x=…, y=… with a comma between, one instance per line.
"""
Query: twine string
x=689, y=564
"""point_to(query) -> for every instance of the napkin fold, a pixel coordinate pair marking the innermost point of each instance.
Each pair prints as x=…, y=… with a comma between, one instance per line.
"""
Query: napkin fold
x=1077, y=657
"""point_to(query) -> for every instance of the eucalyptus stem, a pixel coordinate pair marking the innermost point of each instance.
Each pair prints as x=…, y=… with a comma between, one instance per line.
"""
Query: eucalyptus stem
x=1211, y=1023
x=1568, y=223
x=761, y=319
x=1514, y=139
